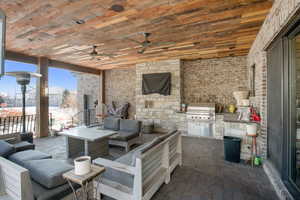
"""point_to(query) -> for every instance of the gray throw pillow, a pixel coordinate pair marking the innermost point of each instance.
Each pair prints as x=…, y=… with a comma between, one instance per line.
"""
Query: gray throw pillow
x=6, y=149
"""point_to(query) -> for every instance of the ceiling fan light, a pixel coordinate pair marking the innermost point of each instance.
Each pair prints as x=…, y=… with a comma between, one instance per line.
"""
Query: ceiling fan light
x=117, y=8
x=80, y=21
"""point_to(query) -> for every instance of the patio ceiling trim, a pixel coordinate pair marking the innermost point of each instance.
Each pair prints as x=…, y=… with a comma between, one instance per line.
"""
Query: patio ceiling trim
x=19, y=57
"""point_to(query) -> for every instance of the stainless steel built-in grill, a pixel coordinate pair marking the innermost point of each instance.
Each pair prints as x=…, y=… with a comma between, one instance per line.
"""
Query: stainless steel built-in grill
x=201, y=119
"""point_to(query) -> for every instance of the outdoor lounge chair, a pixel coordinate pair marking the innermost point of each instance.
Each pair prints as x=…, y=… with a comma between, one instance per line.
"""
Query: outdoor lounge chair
x=17, y=140
x=128, y=132
x=140, y=173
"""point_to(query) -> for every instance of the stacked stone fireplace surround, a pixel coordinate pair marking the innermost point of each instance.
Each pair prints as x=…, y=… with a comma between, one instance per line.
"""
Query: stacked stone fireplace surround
x=156, y=108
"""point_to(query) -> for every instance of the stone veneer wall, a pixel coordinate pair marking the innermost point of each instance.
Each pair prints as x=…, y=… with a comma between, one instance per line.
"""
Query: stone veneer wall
x=214, y=80
x=280, y=14
x=163, y=108
x=120, y=86
x=87, y=84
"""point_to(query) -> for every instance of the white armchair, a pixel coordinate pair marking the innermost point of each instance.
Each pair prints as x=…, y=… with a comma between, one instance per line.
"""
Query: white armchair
x=150, y=168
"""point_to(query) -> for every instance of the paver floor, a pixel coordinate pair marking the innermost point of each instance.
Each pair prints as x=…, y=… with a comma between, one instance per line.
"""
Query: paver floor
x=215, y=180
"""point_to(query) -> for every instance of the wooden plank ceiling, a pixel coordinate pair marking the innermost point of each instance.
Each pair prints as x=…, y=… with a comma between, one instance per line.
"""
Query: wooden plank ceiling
x=187, y=29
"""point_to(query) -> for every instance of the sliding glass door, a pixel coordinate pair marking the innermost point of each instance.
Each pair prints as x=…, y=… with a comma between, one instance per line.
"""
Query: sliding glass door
x=283, y=74
x=294, y=136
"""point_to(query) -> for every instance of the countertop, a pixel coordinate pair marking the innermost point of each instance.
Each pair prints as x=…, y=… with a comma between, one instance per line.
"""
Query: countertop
x=228, y=117
x=233, y=118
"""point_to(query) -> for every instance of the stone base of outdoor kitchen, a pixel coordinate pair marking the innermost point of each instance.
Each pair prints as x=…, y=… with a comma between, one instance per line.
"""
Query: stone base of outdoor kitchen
x=204, y=175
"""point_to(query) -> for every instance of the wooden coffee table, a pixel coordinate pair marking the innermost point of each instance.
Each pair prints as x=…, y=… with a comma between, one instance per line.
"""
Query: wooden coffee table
x=91, y=142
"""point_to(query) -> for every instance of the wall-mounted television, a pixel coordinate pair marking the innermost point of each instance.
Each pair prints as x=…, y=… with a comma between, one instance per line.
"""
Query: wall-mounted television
x=156, y=83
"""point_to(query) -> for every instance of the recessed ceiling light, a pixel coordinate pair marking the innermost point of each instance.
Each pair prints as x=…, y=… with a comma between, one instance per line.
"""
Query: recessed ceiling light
x=117, y=8
x=80, y=21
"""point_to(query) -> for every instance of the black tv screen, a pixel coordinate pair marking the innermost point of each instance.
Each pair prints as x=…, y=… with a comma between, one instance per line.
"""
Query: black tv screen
x=156, y=83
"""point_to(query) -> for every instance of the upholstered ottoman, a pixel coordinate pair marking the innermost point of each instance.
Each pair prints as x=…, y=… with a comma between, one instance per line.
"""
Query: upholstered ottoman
x=48, y=172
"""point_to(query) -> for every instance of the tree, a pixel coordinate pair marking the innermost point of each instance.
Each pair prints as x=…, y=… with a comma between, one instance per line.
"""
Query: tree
x=65, y=99
x=2, y=102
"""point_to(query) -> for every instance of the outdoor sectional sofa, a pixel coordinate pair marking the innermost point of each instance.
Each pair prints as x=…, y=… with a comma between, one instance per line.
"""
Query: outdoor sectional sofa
x=128, y=131
x=139, y=174
x=31, y=175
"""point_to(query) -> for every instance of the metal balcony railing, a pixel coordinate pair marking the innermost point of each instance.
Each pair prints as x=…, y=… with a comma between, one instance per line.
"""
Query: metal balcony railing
x=13, y=124
x=86, y=117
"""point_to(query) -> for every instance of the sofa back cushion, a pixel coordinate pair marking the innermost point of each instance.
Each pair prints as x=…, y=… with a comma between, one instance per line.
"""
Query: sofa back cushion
x=23, y=156
x=122, y=177
x=149, y=145
x=112, y=123
x=128, y=125
x=6, y=149
x=170, y=133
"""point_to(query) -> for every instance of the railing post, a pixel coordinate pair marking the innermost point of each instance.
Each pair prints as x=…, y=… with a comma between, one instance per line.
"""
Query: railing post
x=51, y=121
x=89, y=117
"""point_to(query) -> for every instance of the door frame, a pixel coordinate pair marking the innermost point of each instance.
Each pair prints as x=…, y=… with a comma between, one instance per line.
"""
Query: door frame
x=287, y=36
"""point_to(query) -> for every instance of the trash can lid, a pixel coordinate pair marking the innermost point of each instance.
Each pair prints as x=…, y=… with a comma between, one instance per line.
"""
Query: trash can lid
x=232, y=138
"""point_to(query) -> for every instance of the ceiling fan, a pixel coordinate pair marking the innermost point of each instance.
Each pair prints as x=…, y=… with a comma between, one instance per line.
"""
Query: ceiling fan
x=147, y=43
x=94, y=53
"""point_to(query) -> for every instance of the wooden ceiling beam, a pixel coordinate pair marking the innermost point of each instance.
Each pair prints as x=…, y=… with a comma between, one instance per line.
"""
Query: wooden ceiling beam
x=20, y=57
x=72, y=67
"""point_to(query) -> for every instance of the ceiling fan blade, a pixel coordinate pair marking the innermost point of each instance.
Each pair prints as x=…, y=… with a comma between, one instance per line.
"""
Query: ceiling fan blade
x=105, y=55
x=142, y=50
x=132, y=40
x=162, y=43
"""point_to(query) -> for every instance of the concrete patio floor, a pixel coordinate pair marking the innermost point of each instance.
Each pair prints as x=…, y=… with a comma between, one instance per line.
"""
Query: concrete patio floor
x=204, y=177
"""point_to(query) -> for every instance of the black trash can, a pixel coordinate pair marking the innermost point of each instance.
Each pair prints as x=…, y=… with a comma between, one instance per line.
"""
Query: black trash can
x=232, y=149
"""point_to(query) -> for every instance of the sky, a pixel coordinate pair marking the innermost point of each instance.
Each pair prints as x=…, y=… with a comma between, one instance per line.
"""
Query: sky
x=57, y=77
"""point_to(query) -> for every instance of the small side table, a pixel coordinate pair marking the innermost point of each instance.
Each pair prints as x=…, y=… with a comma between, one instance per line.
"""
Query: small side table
x=83, y=180
x=253, y=149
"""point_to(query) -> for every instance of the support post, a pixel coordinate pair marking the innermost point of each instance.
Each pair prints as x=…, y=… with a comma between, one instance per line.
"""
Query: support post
x=42, y=107
x=23, y=89
x=102, y=91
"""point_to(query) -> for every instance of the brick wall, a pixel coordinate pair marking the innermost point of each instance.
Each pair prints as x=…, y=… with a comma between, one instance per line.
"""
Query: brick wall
x=120, y=86
x=280, y=14
x=214, y=80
